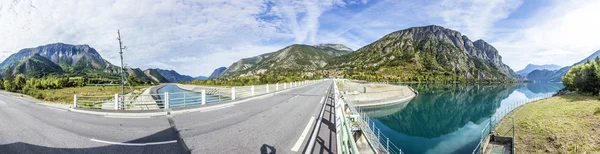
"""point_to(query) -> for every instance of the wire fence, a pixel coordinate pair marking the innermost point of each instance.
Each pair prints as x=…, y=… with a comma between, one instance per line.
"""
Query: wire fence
x=498, y=116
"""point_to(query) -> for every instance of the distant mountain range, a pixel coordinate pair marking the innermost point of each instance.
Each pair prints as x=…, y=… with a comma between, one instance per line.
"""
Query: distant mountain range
x=531, y=67
x=78, y=60
x=173, y=76
x=201, y=78
x=556, y=75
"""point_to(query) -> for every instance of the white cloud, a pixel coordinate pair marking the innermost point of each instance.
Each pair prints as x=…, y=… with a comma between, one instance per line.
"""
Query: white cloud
x=158, y=33
x=562, y=34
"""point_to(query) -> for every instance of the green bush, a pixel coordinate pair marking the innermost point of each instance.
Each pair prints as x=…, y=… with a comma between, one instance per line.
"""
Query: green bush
x=584, y=78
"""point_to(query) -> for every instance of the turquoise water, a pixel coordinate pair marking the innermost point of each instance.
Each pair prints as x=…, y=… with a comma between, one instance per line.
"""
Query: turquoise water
x=448, y=118
x=176, y=96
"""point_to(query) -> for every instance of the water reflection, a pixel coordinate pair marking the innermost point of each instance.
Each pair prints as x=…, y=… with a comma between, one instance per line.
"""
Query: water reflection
x=447, y=118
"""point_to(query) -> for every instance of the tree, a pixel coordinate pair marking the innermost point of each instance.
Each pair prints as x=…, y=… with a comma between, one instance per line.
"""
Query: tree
x=8, y=74
x=8, y=85
x=20, y=82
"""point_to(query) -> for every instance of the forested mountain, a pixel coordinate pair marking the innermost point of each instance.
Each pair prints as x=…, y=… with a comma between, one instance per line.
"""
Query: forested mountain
x=217, y=72
x=155, y=76
x=66, y=56
x=294, y=58
x=430, y=53
x=71, y=60
x=36, y=66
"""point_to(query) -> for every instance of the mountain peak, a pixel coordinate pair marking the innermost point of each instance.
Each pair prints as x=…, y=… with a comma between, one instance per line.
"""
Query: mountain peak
x=334, y=46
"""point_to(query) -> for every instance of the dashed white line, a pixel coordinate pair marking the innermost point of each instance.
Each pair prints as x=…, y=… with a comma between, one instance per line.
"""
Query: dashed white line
x=134, y=144
x=296, y=146
x=127, y=117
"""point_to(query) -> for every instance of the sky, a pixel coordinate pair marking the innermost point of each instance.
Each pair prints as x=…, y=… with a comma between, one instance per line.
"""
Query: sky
x=194, y=37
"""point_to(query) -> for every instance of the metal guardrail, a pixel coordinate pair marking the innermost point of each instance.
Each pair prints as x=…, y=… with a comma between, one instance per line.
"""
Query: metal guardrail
x=498, y=116
x=378, y=141
x=196, y=96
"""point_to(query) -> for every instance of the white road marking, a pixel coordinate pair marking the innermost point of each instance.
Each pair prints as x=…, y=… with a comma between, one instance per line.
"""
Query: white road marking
x=2, y=102
x=127, y=117
x=56, y=109
x=216, y=108
x=303, y=135
x=134, y=144
x=322, y=98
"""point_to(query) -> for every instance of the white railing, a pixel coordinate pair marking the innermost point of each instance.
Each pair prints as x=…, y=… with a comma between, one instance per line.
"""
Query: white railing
x=197, y=95
x=378, y=141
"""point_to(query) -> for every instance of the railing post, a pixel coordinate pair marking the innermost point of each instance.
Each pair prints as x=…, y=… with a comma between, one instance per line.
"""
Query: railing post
x=116, y=101
x=184, y=101
x=203, y=96
x=276, y=86
x=267, y=88
x=387, y=147
x=284, y=85
x=167, y=104
x=75, y=101
x=252, y=90
x=232, y=93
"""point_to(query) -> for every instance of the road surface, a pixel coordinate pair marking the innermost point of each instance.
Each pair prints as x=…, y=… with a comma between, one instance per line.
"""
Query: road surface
x=279, y=123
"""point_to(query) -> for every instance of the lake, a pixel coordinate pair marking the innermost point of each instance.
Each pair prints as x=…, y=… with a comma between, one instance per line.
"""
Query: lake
x=448, y=118
x=178, y=95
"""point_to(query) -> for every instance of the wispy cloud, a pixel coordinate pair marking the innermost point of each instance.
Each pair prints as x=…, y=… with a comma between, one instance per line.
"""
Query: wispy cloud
x=561, y=34
x=196, y=36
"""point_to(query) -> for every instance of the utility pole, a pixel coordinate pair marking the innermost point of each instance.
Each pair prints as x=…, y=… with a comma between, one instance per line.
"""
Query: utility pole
x=121, y=47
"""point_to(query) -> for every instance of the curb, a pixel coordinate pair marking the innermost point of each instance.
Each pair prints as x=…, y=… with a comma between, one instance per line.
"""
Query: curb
x=386, y=102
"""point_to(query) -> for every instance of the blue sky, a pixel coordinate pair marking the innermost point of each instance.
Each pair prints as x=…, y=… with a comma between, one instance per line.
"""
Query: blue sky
x=196, y=36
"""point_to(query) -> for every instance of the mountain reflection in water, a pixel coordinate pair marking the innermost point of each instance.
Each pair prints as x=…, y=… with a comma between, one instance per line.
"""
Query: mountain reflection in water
x=448, y=118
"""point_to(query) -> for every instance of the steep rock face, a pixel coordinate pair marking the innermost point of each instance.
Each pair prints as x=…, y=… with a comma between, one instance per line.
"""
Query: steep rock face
x=531, y=67
x=434, y=49
x=137, y=73
x=340, y=47
x=64, y=55
x=295, y=57
x=242, y=66
x=173, y=76
x=217, y=72
x=36, y=66
x=155, y=76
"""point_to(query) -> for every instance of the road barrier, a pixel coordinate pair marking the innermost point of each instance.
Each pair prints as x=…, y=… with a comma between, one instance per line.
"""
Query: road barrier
x=497, y=117
x=195, y=95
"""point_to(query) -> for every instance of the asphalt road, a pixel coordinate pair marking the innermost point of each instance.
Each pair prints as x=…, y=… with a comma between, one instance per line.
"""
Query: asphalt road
x=272, y=124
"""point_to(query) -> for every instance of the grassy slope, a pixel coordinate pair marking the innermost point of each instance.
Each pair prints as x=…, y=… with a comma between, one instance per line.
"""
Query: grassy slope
x=65, y=95
x=563, y=124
